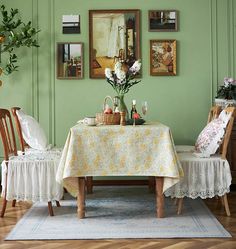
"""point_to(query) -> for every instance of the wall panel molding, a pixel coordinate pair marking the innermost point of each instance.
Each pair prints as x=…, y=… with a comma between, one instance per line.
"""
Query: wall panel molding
x=231, y=38
x=214, y=48
x=35, y=79
x=230, y=46
x=52, y=112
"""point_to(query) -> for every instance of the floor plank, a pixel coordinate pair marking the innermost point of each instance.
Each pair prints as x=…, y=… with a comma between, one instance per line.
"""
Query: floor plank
x=14, y=214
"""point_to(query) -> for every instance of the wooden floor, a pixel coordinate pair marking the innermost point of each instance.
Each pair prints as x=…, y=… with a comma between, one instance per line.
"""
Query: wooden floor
x=14, y=214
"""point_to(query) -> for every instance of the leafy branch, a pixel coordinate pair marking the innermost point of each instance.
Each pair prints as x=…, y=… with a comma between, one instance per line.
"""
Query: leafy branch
x=14, y=33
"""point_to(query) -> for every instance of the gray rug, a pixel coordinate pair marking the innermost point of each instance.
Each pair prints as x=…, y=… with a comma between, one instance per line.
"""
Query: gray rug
x=118, y=212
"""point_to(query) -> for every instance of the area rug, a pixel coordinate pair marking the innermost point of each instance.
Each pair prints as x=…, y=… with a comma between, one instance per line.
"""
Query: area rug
x=118, y=212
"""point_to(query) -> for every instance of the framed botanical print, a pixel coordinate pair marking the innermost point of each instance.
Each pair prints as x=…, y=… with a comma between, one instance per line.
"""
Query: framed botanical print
x=70, y=60
x=114, y=36
x=162, y=57
x=163, y=20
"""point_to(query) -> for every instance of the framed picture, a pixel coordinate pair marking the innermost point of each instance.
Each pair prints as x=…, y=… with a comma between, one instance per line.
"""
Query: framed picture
x=114, y=36
x=71, y=24
x=163, y=20
x=69, y=60
x=163, y=57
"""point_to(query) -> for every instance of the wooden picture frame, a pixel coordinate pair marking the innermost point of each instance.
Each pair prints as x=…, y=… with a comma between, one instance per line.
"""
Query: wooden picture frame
x=114, y=35
x=163, y=20
x=163, y=57
x=70, y=63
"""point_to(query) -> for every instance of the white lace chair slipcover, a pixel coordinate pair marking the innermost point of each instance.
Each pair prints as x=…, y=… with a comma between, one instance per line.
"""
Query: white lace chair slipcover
x=204, y=177
x=31, y=177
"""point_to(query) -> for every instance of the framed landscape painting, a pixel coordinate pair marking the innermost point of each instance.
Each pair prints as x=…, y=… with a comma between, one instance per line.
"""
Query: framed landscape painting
x=114, y=36
x=163, y=20
x=69, y=60
x=163, y=57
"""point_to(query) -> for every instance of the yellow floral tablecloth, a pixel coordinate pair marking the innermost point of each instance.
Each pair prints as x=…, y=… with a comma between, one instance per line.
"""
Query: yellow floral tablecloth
x=143, y=150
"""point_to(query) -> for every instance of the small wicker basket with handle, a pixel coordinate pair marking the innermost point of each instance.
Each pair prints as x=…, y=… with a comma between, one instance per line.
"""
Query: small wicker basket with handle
x=105, y=118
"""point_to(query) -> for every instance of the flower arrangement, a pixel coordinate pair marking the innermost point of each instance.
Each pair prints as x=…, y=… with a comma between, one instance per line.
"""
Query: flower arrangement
x=122, y=80
x=228, y=90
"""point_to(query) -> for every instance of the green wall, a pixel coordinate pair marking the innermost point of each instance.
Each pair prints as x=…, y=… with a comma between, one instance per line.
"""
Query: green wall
x=205, y=55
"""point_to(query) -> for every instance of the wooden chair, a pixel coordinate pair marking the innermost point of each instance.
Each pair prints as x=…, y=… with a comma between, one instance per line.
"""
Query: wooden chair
x=24, y=146
x=213, y=113
x=10, y=149
x=185, y=188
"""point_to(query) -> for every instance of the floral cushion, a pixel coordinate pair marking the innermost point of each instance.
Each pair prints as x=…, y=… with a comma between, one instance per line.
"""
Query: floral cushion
x=32, y=131
x=209, y=139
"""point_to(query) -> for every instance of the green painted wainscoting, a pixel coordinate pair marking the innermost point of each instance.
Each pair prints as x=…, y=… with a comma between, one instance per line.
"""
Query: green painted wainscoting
x=206, y=53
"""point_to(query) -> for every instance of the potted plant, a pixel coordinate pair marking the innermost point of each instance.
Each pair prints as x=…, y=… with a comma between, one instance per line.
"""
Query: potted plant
x=14, y=33
x=226, y=93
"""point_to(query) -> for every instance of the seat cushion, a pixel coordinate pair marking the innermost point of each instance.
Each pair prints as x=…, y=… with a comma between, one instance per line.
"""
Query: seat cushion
x=32, y=131
x=211, y=136
x=184, y=148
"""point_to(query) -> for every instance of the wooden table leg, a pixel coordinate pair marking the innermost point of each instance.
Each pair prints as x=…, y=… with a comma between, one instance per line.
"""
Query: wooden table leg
x=159, y=197
x=89, y=183
x=81, y=198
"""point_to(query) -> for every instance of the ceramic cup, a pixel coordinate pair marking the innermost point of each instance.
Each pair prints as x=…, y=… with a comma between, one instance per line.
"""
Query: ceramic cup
x=90, y=121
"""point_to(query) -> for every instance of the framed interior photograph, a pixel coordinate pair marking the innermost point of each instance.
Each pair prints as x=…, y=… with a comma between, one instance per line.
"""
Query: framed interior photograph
x=163, y=20
x=114, y=36
x=163, y=57
x=69, y=60
x=71, y=24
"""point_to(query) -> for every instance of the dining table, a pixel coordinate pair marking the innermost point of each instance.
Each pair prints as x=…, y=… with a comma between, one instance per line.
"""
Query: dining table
x=115, y=150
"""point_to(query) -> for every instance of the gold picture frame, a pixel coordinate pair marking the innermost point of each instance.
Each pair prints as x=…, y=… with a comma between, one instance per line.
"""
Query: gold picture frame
x=163, y=57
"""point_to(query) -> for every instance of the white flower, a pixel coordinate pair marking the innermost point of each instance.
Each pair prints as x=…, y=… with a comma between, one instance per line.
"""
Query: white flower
x=108, y=74
x=230, y=80
x=121, y=75
x=117, y=67
x=226, y=82
x=136, y=67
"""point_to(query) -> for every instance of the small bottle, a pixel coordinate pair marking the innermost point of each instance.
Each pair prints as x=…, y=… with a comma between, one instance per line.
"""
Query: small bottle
x=133, y=109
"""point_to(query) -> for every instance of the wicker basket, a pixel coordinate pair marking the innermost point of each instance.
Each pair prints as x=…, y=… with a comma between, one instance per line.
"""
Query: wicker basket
x=108, y=119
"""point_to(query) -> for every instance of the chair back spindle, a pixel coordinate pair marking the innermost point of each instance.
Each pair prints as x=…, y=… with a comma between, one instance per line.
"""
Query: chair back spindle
x=23, y=144
x=228, y=131
x=7, y=134
x=214, y=113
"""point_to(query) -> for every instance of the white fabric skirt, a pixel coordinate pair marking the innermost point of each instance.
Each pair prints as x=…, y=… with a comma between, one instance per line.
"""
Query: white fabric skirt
x=203, y=177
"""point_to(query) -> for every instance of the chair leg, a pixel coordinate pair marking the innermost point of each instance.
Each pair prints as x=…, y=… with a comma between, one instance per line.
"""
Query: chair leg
x=50, y=210
x=226, y=204
x=180, y=205
x=58, y=204
x=222, y=201
x=4, y=205
x=13, y=203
